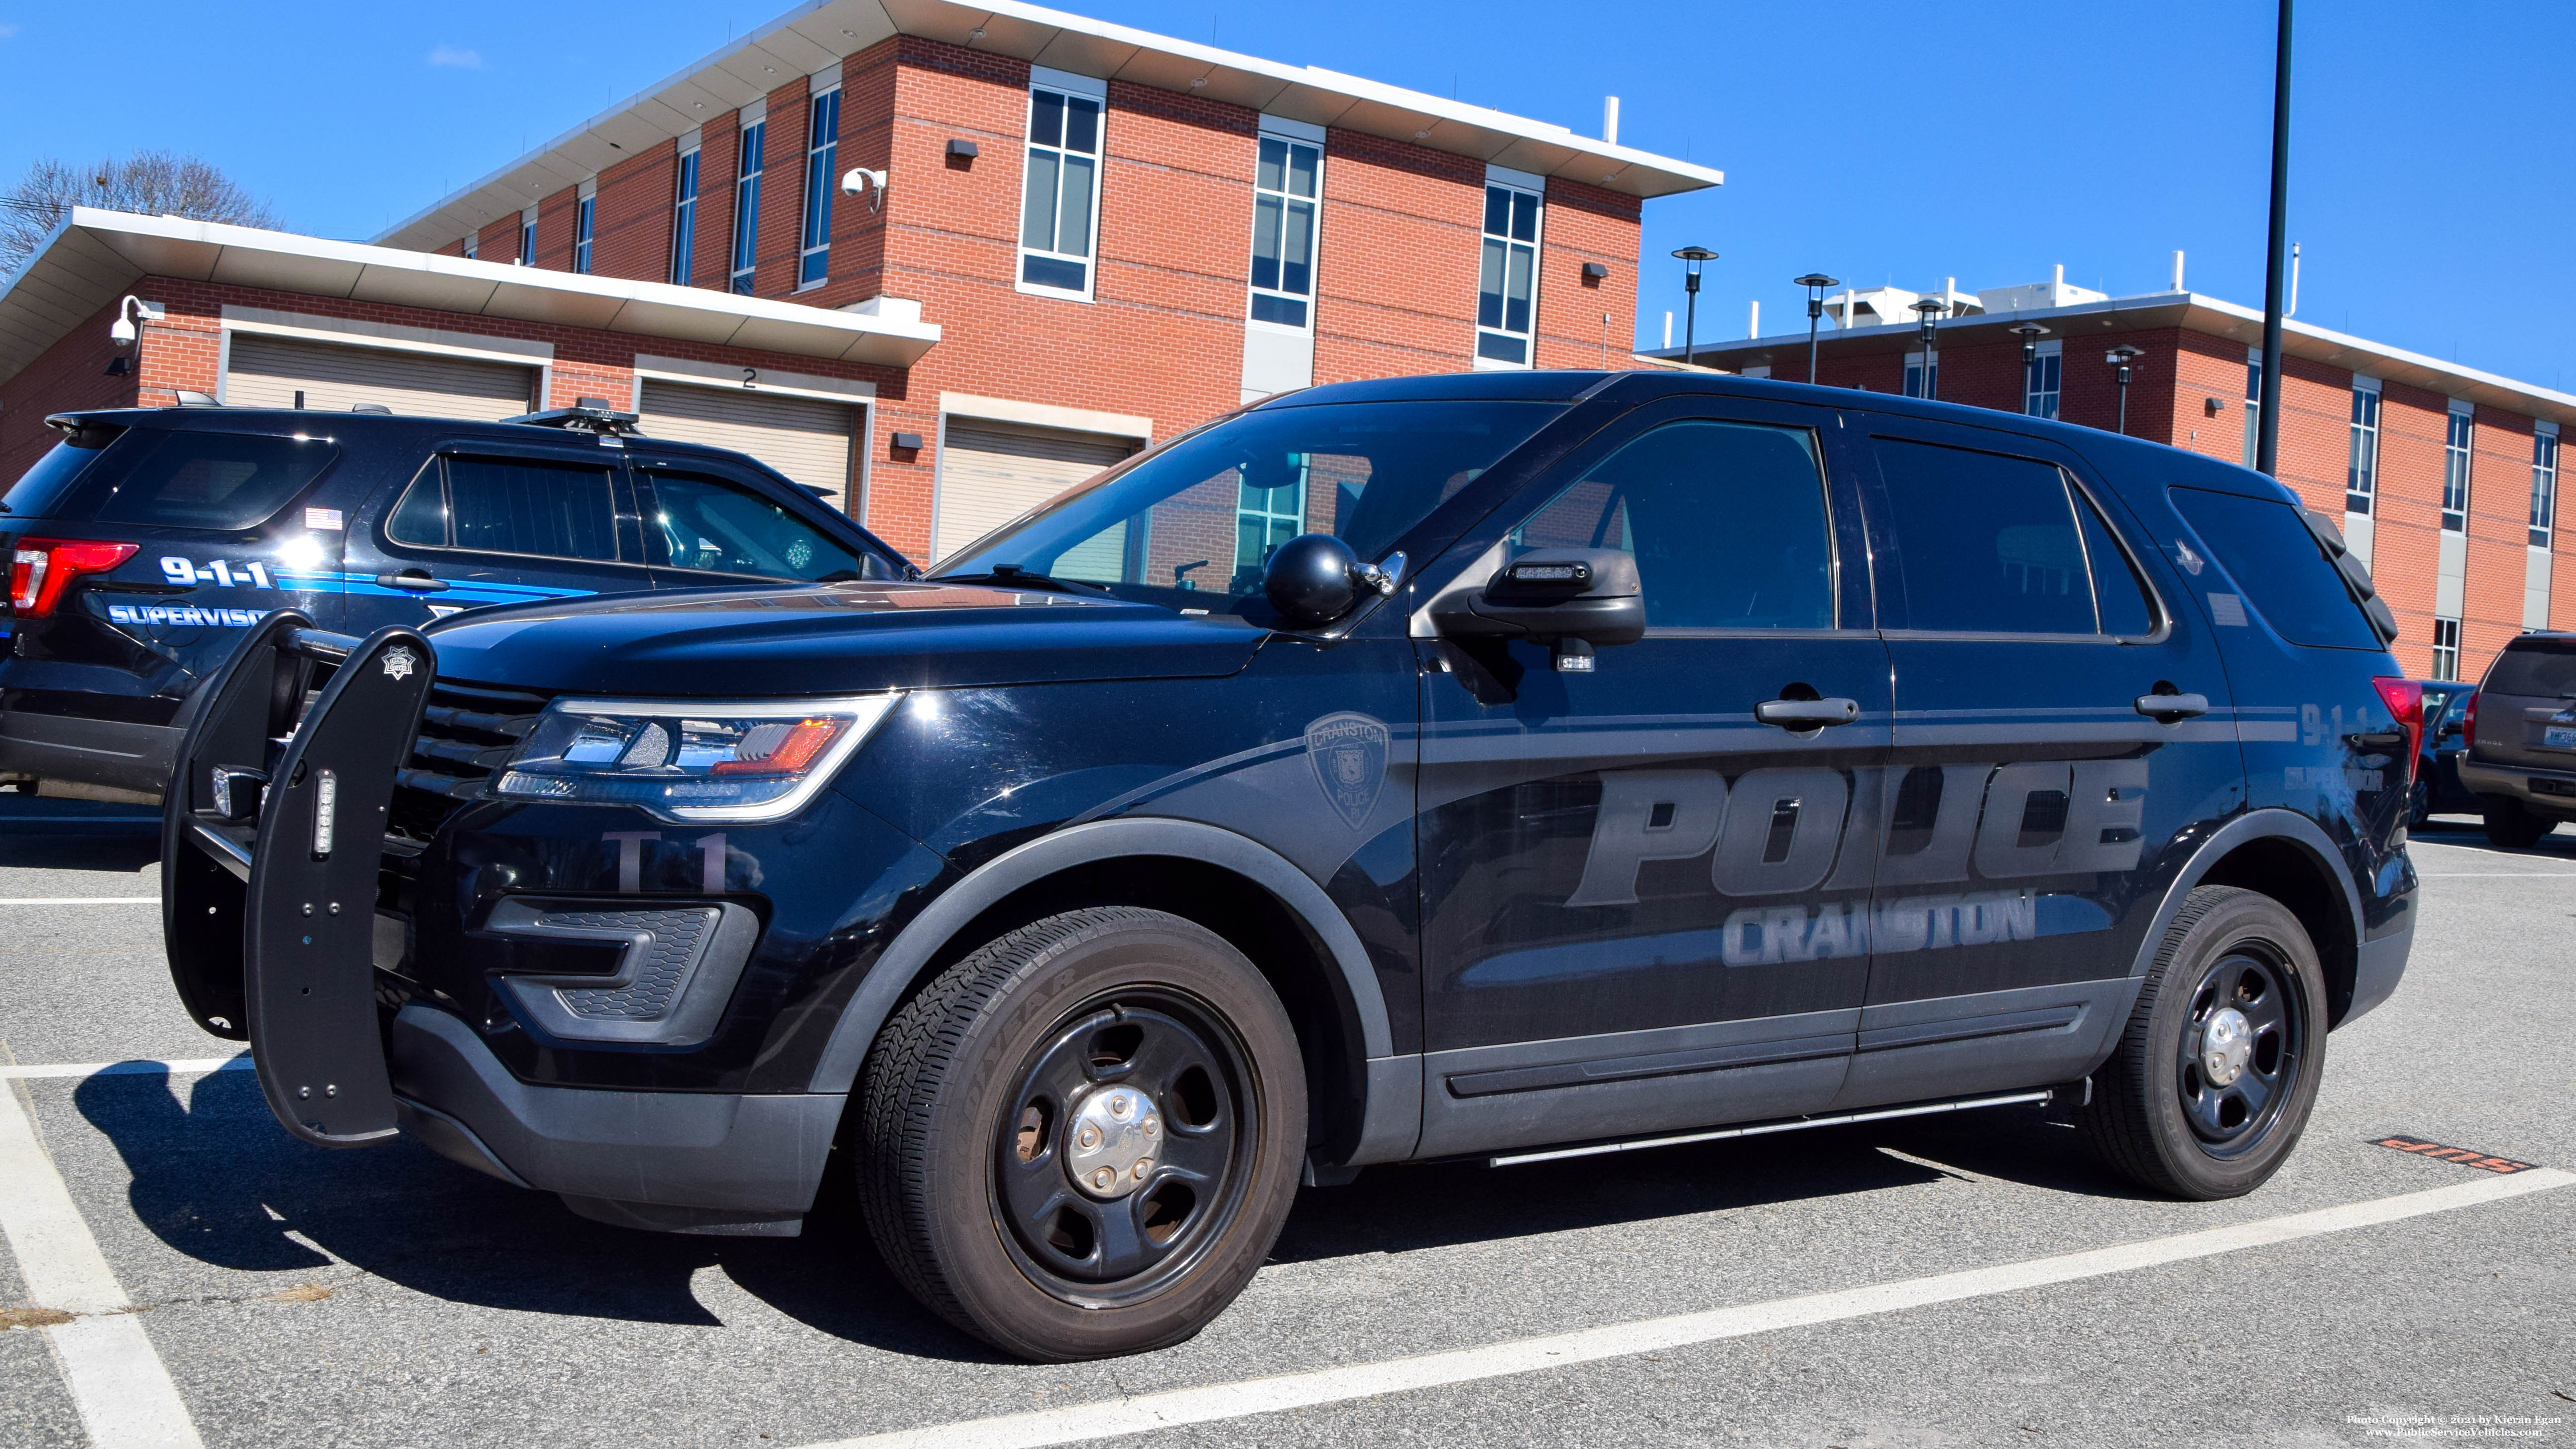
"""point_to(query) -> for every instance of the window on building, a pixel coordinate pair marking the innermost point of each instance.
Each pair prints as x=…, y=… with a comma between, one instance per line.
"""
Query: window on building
x=2361, y=473
x=2544, y=484
x=528, y=237
x=684, y=218
x=473, y=244
x=584, y=211
x=2446, y=648
x=2040, y=380
x=1062, y=191
x=1914, y=380
x=1287, y=180
x=1267, y=513
x=746, y=206
x=1507, y=282
x=2253, y=404
x=822, y=152
x=2455, y=471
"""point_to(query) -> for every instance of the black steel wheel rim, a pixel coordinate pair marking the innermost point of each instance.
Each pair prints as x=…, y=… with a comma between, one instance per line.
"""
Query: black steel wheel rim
x=1123, y=1242
x=2244, y=1044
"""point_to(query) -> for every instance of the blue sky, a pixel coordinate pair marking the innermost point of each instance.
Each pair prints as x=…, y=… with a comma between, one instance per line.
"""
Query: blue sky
x=1879, y=142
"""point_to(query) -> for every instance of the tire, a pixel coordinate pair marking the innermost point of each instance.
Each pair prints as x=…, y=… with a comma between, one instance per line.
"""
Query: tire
x=2512, y=824
x=983, y=1191
x=2419, y=802
x=2159, y=1115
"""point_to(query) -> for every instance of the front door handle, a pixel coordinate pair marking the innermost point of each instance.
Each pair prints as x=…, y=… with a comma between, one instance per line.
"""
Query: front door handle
x=2168, y=708
x=412, y=579
x=1807, y=714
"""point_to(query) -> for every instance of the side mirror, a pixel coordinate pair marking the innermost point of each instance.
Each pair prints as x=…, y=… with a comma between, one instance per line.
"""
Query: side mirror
x=1314, y=579
x=1574, y=598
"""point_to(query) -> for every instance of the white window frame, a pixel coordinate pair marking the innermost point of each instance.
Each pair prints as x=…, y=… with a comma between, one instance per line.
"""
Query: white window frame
x=2543, y=524
x=473, y=243
x=2446, y=655
x=822, y=179
x=2031, y=393
x=1535, y=187
x=528, y=237
x=1285, y=132
x=2361, y=462
x=684, y=210
x=1068, y=86
x=2253, y=402
x=1913, y=384
x=742, y=238
x=2462, y=424
x=585, y=224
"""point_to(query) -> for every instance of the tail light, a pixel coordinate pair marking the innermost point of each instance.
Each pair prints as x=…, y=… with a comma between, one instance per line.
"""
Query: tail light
x=42, y=568
x=2469, y=724
x=2405, y=701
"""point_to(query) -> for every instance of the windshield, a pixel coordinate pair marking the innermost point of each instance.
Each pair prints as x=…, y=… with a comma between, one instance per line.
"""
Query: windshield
x=1194, y=525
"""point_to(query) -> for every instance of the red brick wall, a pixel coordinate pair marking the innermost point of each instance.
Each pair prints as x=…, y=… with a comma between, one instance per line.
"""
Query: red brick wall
x=1395, y=292
x=631, y=221
x=71, y=376
x=1582, y=322
x=719, y=154
x=2406, y=556
x=554, y=229
x=2499, y=520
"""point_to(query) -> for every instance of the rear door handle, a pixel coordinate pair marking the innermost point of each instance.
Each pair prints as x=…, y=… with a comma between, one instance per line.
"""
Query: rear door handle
x=412, y=579
x=2167, y=708
x=1807, y=714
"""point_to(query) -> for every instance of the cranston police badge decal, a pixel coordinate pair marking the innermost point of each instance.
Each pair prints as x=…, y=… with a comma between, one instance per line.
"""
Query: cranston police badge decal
x=1348, y=752
x=398, y=662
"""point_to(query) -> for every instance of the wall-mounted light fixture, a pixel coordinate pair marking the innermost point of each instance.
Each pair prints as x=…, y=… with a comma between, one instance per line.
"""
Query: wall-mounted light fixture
x=961, y=151
x=1595, y=271
x=906, y=442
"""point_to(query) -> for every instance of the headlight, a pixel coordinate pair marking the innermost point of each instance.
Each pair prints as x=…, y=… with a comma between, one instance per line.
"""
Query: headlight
x=687, y=759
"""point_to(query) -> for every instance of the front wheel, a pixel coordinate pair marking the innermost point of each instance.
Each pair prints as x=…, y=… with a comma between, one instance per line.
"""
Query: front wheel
x=2218, y=1068
x=1083, y=1138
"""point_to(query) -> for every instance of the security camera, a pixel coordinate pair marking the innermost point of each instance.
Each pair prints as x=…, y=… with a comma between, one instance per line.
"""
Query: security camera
x=130, y=312
x=860, y=178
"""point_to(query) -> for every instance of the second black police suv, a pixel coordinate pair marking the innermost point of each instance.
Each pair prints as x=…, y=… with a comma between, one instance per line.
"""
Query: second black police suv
x=1504, y=766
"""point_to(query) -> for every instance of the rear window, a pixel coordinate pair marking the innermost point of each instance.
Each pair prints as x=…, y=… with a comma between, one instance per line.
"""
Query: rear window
x=40, y=490
x=2542, y=667
x=2279, y=567
x=177, y=479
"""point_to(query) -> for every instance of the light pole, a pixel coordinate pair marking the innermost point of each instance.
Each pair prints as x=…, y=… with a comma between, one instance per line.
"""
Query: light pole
x=2029, y=333
x=2120, y=357
x=1816, y=284
x=2267, y=424
x=1930, y=312
x=1691, y=258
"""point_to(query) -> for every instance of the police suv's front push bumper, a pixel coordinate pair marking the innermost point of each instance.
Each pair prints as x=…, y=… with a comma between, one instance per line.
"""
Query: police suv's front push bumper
x=273, y=837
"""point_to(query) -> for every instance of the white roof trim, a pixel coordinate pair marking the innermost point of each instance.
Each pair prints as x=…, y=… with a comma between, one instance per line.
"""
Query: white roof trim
x=817, y=32
x=385, y=336
x=95, y=256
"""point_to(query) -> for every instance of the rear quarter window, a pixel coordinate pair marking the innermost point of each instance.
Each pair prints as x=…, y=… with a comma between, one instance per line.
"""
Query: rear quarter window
x=2278, y=566
x=2541, y=668
x=40, y=490
x=222, y=481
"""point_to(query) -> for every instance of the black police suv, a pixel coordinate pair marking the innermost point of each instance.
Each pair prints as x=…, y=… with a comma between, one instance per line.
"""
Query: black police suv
x=147, y=542
x=1508, y=766
x=2518, y=740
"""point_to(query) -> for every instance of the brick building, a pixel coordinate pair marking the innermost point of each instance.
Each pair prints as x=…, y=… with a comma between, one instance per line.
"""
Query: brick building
x=1067, y=239
x=2445, y=477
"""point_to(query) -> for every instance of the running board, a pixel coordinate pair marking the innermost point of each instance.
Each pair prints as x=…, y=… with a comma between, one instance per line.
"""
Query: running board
x=1759, y=1129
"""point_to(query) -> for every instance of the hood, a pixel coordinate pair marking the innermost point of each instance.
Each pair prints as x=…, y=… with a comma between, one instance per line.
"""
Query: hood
x=851, y=638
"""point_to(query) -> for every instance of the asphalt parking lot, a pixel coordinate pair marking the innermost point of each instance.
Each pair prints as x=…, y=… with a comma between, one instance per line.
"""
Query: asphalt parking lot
x=1969, y=1280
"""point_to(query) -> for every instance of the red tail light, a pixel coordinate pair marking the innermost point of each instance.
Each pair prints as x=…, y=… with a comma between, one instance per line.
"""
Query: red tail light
x=2405, y=701
x=43, y=567
x=2469, y=724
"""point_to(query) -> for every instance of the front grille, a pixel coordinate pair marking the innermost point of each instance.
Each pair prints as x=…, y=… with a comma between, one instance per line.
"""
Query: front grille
x=467, y=732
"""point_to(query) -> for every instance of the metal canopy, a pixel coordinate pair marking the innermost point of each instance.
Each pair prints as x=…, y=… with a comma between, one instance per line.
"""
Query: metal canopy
x=96, y=256
x=815, y=35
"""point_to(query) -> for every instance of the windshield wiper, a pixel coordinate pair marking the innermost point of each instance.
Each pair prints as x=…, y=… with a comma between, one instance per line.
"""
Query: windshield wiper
x=1015, y=576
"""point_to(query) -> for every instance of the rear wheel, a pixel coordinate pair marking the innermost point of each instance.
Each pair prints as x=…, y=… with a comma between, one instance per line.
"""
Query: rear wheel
x=2512, y=824
x=2218, y=1068
x=1083, y=1138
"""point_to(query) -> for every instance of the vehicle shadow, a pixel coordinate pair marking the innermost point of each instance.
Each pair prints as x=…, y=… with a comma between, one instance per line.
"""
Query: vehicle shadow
x=119, y=849
x=215, y=1179
x=2468, y=833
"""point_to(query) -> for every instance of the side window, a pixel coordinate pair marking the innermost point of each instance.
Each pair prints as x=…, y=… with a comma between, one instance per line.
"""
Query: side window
x=715, y=527
x=420, y=519
x=1727, y=521
x=2266, y=548
x=1981, y=543
x=513, y=505
x=2122, y=598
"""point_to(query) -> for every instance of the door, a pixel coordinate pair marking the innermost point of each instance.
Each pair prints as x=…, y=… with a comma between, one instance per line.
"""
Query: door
x=807, y=439
x=2058, y=726
x=704, y=527
x=275, y=372
x=1638, y=911
x=481, y=526
x=991, y=473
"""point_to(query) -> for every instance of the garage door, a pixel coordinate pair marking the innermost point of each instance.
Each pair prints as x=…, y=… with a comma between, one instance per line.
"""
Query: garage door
x=268, y=372
x=993, y=472
x=805, y=438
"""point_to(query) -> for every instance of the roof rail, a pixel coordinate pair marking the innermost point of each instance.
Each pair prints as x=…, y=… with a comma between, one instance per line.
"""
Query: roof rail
x=592, y=416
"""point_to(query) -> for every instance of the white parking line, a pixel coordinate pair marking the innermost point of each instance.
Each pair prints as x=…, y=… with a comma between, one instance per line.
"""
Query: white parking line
x=124, y=1395
x=128, y=1069
x=81, y=901
x=1148, y=1412
x=2495, y=875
